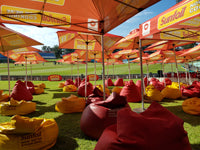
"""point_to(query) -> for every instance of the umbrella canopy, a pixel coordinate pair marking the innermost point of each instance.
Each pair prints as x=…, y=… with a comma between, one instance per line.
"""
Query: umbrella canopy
x=193, y=52
x=10, y=39
x=94, y=16
x=131, y=41
x=14, y=54
x=166, y=45
x=180, y=22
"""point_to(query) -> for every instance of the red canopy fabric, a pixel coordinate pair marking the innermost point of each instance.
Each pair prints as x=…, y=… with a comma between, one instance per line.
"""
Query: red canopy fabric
x=94, y=16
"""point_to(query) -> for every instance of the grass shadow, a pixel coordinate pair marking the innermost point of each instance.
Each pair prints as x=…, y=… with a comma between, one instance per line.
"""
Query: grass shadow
x=56, y=90
x=38, y=102
x=195, y=146
x=178, y=111
x=65, y=94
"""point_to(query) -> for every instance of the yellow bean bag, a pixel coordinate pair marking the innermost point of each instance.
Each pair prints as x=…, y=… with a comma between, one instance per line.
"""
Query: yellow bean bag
x=38, y=90
x=69, y=88
x=107, y=91
x=153, y=94
x=171, y=93
x=23, y=133
x=191, y=106
x=14, y=107
x=70, y=104
x=176, y=86
x=41, y=85
x=117, y=90
x=61, y=85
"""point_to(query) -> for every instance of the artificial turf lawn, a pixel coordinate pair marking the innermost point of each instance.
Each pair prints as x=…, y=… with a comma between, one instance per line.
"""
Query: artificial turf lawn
x=70, y=136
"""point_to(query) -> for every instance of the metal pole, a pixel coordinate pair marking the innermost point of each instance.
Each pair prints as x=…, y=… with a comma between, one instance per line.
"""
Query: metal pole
x=31, y=70
x=176, y=68
x=103, y=75
x=26, y=70
x=129, y=69
x=8, y=72
x=113, y=70
x=186, y=78
x=86, y=67
x=95, y=70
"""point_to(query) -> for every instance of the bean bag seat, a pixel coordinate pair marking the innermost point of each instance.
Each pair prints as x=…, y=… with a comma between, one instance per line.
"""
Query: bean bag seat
x=153, y=94
x=119, y=82
x=176, y=85
x=23, y=133
x=77, y=82
x=99, y=115
x=20, y=92
x=38, y=90
x=61, y=85
x=190, y=91
x=69, y=82
x=81, y=89
x=157, y=84
x=171, y=93
x=96, y=95
x=30, y=86
x=69, y=88
x=70, y=104
x=88, y=79
x=117, y=90
x=167, y=81
x=14, y=107
x=109, y=82
x=3, y=97
x=107, y=91
x=146, y=81
x=154, y=129
x=191, y=106
x=196, y=83
x=131, y=92
x=41, y=85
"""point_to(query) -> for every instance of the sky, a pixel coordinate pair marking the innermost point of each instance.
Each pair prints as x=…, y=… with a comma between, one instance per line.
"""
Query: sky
x=48, y=36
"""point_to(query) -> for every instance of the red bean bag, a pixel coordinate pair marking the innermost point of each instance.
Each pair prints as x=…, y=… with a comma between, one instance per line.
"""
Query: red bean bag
x=81, y=89
x=190, y=91
x=30, y=87
x=119, y=82
x=77, y=82
x=154, y=129
x=167, y=81
x=131, y=92
x=96, y=95
x=138, y=84
x=196, y=83
x=109, y=82
x=146, y=81
x=69, y=82
x=20, y=92
x=99, y=115
x=88, y=79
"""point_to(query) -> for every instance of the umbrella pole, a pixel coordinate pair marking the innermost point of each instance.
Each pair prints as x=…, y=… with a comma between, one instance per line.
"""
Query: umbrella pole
x=113, y=70
x=71, y=71
x=103, y=75
x=107, y=68
x=189, y=73
x=163, y=68
x=176, y=68
x=147, y=71
x=129, y=69
x=8, y=72
x=78, y=71
x=186, y=78
x=95, y=70
x=31, y=70
x=138, y=110
x=86, y=67
x=26, y=70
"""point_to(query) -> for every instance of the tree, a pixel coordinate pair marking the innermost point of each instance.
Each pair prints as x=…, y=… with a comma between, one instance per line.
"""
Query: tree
x=57, y=51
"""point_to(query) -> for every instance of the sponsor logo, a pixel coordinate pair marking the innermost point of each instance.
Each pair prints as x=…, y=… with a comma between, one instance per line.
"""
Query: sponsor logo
x=188, y=10
x=50, y=18
x=55, y=77
x=80, y=44
x=93, y=24
x=146, y=28
x=56, y=2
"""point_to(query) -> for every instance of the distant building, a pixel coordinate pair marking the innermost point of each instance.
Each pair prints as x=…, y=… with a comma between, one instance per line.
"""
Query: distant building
x=47, y=55
x=3, y=59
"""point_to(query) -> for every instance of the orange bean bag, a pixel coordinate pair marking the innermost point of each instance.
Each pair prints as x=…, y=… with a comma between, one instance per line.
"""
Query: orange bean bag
x=154, y=129
x=191, y=106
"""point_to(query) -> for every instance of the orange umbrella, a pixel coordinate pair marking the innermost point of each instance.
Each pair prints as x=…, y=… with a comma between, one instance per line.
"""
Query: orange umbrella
x=13, y=53
x=10, y=39
x=94, y=16
x=193, y=52
x=31, y=58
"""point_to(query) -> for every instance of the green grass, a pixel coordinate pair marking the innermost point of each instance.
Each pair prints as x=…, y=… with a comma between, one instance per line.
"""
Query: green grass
x=65, y=69
x=70, y=136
